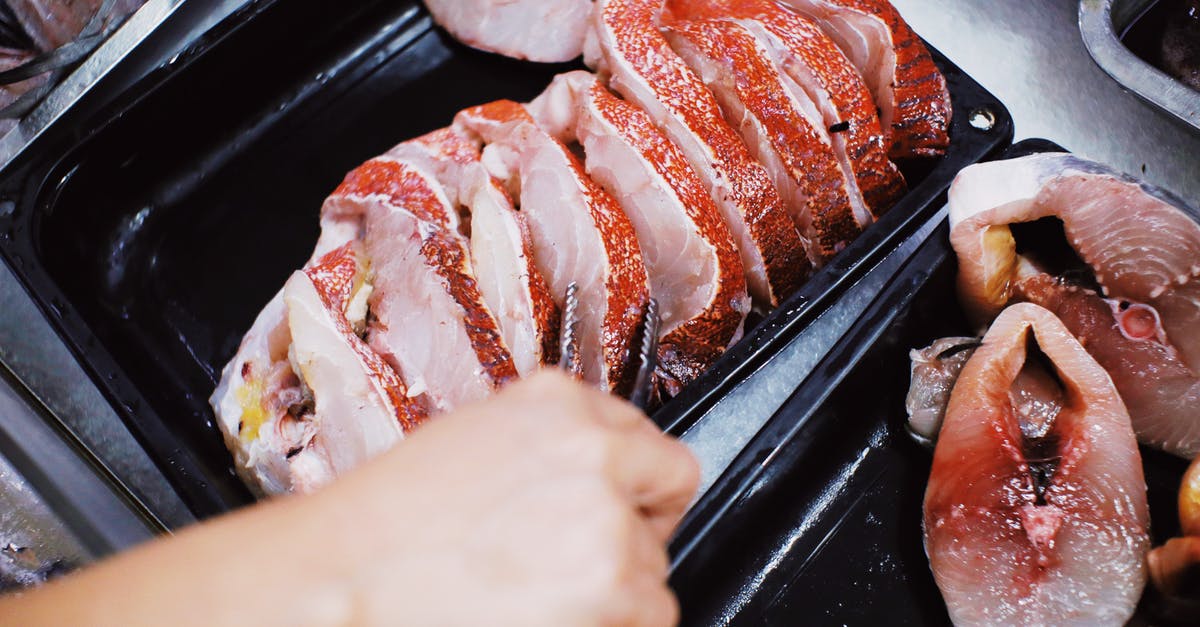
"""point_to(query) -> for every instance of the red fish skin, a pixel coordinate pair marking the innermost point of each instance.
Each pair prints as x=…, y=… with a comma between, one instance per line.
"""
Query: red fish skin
x=1001, y=554
x=636, y=58
x=688, y=350
x=807, y=158
x=333, y=277
x=920, y=126
x=626, y=282
x=1161, y=393
x=866, y=143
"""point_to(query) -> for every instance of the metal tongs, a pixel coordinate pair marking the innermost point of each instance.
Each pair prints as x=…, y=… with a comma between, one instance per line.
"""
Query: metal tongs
x=569, y=361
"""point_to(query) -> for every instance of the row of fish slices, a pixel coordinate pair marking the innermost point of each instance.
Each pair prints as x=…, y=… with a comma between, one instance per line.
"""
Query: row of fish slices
x=504, y=284
x=896, y=67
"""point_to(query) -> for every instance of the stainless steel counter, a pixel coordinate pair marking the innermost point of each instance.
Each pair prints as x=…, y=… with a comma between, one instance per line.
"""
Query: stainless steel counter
x=1030, y=54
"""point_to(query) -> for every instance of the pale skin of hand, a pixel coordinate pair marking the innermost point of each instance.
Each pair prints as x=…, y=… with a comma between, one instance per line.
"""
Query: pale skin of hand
x=548, y=505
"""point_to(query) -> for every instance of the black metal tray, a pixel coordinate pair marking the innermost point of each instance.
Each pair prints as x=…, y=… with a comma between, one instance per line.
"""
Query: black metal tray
x=153, y=232
x=818, y=520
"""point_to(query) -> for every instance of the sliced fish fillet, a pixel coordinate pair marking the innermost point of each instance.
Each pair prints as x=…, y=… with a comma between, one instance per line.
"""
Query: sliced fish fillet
x=580, y=235
x=814, y=62
x=550, y=31
x=304, y=399
x=259, y=385
x=1138, y=242
x=625, y=46
x=779, y=124
x=1159, y=390
x=501, y=246
x=257, y=389
x=914, y=104
x=1026, y=530
x=695, y=271
x=430, y=320
x=360, y=405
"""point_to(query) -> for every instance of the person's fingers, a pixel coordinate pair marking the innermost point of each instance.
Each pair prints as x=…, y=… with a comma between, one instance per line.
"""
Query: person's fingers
x=643, y=602
x=657, y=473
x=648, y=549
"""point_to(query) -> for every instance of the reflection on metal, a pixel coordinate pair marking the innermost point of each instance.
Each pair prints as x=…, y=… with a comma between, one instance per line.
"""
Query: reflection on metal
x=1102, y=22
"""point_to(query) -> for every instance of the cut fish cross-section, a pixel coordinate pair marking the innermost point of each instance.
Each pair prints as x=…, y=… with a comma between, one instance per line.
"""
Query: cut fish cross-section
x=811, y=59
x=911, y=92
x=538, y=30
x=360, y=404
x=501, y=245
x=1132, y=241
x=1036, y=526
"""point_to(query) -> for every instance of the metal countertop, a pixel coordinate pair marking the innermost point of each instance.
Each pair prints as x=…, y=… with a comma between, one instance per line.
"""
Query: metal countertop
x=1030, y=54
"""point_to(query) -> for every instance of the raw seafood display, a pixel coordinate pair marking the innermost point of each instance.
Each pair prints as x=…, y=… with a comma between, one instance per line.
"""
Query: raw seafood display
x=721, y=153
x=1110, y=268
x=1124, y=277
x=1036, y=512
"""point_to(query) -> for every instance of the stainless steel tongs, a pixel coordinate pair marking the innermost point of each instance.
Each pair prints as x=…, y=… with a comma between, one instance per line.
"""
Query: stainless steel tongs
x=643, y=384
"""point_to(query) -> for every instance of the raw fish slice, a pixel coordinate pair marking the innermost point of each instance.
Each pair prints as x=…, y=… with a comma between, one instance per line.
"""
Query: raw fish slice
x=550, y=31
x=430, y=320
x=360, y=406
x=626, y=47
x=1160, y=392
x=511, y=284
x=934, y=370
x=1032, y=531
x=259, y=385
x=814, y=62
x=780, y=126
x=501, y=249
x=695, y=272
x=914, y=104
x=580, y=235
x=446, y=153
x=1139, y=243
x=257, y=388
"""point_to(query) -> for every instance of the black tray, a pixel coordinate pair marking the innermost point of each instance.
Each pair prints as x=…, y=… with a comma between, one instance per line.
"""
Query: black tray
x=818, y=520
x=153, y=232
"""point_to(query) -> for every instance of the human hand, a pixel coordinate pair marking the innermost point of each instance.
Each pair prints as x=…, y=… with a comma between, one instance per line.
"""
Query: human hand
x=548, y=505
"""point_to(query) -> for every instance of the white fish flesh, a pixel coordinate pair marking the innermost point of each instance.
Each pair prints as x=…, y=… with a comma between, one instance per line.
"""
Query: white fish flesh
x=1036, y=529
x=695, y=272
